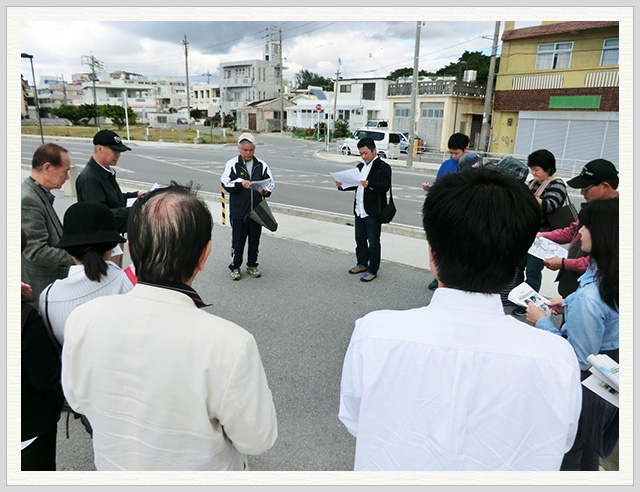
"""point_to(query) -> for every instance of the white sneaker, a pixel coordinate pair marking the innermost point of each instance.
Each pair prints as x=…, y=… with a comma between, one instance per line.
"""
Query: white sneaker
x=235, y=274
x=253, y=271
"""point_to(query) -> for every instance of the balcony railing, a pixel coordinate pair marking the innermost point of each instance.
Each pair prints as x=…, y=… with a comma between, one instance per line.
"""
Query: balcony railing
x=237, y=82
x=470, y=89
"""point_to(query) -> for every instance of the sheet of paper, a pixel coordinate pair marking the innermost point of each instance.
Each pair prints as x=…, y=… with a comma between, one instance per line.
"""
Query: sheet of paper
x=259, y=185
x=602, y=389
x=544, y=248
x=131, y=201
x=523, y=294
x=348, y=178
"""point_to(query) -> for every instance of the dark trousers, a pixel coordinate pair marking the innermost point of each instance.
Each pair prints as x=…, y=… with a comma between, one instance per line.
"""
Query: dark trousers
x=368, y=243
x=533, y=267
x=40, y=455
x=240, y=231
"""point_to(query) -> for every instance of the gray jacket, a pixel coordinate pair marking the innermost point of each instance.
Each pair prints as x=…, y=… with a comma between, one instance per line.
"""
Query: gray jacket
x=41, y=262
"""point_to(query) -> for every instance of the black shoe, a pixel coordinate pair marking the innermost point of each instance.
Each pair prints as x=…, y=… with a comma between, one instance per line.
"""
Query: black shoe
x=434, y=284
x=519, y=311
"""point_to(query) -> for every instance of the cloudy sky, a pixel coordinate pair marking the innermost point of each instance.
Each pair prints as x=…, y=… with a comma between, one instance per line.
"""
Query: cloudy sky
x=155, y=48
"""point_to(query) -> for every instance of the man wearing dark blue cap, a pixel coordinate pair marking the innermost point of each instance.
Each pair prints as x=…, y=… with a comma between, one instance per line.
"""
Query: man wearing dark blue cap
x=97, y=181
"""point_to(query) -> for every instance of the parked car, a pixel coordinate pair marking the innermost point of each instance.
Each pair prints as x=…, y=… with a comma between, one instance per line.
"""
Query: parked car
x=387, y=143
x=377, y=124
x=182, y=121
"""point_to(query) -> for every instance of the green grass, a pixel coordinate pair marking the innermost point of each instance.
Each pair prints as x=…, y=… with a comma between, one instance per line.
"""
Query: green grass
x=136, y=132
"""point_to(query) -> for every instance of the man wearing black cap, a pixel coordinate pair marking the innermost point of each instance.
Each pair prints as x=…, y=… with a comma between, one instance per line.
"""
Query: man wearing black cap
x=598, y=180
x=97, y=181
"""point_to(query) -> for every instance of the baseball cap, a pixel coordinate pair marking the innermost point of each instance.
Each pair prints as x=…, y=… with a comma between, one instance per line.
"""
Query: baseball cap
x=593, y=173
x=110, y=139
x=469, y=159
x=248, y=137
x=512, y=167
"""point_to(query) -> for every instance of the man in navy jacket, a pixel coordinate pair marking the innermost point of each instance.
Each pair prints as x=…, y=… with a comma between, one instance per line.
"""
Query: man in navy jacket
x=237, y=176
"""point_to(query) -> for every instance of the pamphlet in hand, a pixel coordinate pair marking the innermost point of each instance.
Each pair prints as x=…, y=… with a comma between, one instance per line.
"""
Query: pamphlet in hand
x=349, y=178
x=523, y=294
x=259, y=185
x=544, y=248
x=604, y=380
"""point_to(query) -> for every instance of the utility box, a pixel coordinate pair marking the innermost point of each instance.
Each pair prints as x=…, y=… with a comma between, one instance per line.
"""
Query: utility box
x=69, y=186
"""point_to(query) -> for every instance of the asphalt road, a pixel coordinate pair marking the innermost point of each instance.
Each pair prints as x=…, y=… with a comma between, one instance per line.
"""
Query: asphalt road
x=302, y=180
x=301, y=312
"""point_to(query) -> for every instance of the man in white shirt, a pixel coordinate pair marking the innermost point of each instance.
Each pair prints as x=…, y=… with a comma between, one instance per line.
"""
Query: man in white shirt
x=459, y=385
x=164, y=384
x=370, y=199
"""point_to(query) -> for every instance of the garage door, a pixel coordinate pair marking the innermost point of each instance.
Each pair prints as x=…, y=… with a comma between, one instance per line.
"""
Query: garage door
x=572, y=137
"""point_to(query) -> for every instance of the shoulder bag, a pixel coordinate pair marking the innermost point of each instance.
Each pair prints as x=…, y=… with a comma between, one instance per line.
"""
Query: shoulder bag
x=562, y=216
x=388, y=211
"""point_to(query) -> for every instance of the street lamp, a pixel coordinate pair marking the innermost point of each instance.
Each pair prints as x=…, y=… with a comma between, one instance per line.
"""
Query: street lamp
x=455, y=116
x=35, y=90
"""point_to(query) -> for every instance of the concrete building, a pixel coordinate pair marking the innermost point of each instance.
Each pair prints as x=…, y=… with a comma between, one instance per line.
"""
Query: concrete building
x=441, y=102
x=262, y=116
x=142, y=95
x=202, y=95
x=54, y=91
x=362, y=100
x=558, y=88
x=242, y=82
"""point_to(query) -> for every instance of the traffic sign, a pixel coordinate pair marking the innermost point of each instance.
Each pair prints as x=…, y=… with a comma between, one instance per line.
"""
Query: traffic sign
x=318, y=107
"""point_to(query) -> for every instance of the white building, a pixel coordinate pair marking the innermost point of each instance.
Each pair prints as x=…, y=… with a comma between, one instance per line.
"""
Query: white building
x=202, y=95
x=242, y=82
x=362, y=100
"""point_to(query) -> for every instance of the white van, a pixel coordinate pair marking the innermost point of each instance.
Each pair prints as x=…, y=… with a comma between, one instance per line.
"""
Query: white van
x=387, y=143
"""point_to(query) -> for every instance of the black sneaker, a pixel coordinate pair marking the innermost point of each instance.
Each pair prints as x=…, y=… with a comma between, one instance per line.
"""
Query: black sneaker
x=519, y=311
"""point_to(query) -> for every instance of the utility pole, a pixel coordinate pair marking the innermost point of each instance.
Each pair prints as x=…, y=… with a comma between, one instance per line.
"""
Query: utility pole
x=414, y=91
x=186, y=67
x=335, y=97
x=92, y=61
x=64, y=88
x=281, y=82
x=484, y=133
x=208, y=76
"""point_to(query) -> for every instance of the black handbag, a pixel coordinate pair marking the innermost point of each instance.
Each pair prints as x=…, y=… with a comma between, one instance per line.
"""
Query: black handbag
x=562, y=216
x=388, y=212
x=262, y=215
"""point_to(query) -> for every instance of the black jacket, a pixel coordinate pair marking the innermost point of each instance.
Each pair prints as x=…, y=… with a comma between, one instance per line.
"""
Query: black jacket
x=375, y=195
x=241, y=199
x=41, y=390
x=96, y=184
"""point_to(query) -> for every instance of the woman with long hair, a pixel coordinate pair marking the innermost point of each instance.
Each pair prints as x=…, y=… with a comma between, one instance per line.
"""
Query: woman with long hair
x=591, y=326
x=89, y=235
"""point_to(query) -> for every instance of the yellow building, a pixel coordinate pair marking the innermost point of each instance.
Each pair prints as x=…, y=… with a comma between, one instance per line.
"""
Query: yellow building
x=557, y=88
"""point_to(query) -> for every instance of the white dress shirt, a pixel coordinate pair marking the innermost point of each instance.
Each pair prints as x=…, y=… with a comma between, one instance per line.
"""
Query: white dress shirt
x=67, y=294
x=165, y=385
x=364, y=174
x=458, y=385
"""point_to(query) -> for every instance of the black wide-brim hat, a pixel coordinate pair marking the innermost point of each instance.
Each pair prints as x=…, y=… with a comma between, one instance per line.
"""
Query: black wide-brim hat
x=87, y=223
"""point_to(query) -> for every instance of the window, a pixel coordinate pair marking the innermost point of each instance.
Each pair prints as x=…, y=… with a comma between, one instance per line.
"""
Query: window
x=610, y=52
x=162, y=119
x=554, y=56
x=345, y=88
x=343, y=114
x=369, y=91
x=432, y=113
x=402, y=112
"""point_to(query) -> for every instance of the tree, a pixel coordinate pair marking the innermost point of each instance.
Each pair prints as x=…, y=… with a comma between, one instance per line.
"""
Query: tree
x=305, y=78
x=341, y=128
x=475, y=60
x=86, y=112
x=68, y=112
x=406, y=72
x=172, y=110
x=116, y=114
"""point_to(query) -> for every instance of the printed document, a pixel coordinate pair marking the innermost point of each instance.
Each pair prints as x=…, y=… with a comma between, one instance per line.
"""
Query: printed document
x=259, y=185
x=348, y=178
x=604, y=380
x=544, y=248
x=523, y=294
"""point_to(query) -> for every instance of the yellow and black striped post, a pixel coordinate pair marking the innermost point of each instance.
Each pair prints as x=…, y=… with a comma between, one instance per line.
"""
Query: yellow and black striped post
x=224, y=219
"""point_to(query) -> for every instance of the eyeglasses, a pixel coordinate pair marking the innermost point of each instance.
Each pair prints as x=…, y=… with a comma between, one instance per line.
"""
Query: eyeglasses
x=584, y=190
